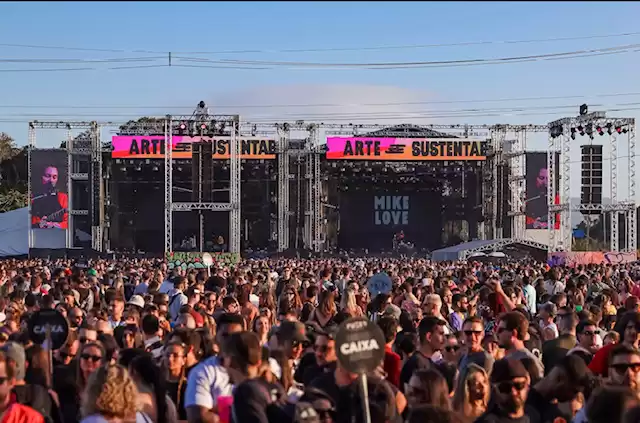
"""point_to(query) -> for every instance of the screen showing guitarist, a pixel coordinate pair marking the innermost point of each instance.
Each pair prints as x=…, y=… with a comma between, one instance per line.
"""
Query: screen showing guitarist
x=49, y=207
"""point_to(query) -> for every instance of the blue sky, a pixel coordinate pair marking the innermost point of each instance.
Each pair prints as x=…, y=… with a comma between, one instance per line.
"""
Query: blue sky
x=215, y=27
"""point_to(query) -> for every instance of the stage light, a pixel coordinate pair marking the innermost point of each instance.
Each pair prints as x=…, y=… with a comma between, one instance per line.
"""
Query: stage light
x=609, y=128
x=584, y=109
x=581, y=130
x=618, y=129
x=555, y=131
x=203, y=126
x=599, y=130
x=589, y=130
x=573, y=133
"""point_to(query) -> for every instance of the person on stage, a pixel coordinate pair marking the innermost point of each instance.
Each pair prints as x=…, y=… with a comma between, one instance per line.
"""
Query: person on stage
x=49, y=207
x=536, y=204
x=397, y=239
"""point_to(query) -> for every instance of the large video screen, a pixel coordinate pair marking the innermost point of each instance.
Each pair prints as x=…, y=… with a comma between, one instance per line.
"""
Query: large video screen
x=369, y=218
x=537, y=181
x=49, y=198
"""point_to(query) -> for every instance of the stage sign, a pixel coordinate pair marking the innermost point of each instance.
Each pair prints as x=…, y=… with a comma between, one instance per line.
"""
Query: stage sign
x=152, y=147
x=404, y=149
x=193, y=260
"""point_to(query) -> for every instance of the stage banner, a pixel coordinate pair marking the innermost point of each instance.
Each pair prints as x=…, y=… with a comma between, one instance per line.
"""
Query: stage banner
x=49, y=209
x=152, y=147
x=537, y=181
x=193, y=260
x=404, y=149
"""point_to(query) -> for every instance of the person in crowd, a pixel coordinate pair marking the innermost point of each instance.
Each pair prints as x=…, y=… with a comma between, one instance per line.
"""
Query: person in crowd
x=510, y=382
x=392, y=361
x=473, y=352
x=153, y=403
x=10, y=409
x=628, y=329
x=472, y=392
x=555, y=349
x=110, y=396
x=512, y=329
x=428, y=387
x=431, y=338
x=174, y=362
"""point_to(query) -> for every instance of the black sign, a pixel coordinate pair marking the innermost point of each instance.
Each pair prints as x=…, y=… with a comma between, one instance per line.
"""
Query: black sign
x=359, y=345
x=49, y=320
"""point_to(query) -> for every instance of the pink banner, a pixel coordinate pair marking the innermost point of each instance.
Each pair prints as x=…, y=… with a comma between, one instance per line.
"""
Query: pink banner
x=576, y=258
x=404, y=149
x=152, y=147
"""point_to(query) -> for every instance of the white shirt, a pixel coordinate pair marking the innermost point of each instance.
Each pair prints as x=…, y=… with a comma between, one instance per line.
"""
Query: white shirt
x=207, y=381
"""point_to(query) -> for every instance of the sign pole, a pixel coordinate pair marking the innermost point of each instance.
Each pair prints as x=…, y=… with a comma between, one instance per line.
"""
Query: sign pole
x=364, y=391
x=48, y=344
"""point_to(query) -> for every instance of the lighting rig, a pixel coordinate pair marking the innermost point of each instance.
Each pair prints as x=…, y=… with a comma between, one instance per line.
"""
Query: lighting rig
x=561, y=134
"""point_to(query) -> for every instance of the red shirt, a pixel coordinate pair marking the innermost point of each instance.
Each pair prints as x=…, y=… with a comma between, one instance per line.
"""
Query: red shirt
x=392, y=366
x=600, y=361
x=18, y=413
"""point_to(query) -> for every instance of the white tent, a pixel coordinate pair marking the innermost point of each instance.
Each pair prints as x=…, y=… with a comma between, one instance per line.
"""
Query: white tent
x=14, y=232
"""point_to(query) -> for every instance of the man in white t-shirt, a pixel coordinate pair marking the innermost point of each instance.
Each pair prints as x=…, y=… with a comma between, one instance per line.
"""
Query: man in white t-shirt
x=209, y=381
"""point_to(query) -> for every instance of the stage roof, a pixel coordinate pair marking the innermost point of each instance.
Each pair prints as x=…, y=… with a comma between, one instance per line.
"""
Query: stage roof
x=454, y=252
x=408, y=131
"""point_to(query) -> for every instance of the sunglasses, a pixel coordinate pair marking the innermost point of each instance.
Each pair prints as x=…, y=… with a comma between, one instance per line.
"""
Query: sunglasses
x=623, y=367
x=66, y=354
x=507, y=387
x=472, y=332
x=89, y=357
x=450, y=348
x=591, y=333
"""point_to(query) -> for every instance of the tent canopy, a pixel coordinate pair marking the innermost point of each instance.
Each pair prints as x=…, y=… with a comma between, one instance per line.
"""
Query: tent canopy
x=14, y=232
x=460, y=251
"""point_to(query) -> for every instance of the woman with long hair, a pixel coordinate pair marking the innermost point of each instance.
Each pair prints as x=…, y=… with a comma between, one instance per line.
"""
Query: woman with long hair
x=325, y=312
x=290, y=299
x=153, y=403
x=174, y=362
x=69, y=387
x=348, y=304
x=472, y=393
x=109, y=396
x=428, y=387
x=262, y=326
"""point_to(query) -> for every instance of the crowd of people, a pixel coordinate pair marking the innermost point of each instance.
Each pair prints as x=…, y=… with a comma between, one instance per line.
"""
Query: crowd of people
x=256, y=343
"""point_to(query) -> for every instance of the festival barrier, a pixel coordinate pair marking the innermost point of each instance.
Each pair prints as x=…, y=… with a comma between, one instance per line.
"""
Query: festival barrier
x=153, y=146
x=404, y=149
x=193, y=260
x=575, y=258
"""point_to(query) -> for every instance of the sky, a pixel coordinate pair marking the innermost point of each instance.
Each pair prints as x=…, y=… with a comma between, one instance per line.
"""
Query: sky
x=77, y=35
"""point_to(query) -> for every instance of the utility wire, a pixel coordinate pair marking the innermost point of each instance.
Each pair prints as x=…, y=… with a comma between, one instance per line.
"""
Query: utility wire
x=331, y=49
x=301, y=105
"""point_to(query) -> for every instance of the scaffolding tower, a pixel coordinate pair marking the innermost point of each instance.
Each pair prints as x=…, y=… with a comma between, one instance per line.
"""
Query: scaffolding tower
x=562, y=132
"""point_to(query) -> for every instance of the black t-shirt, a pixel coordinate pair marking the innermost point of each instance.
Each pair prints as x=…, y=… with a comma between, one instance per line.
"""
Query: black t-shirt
x=38, y=398
x=256, y=401
x=417, y=361
x=327, y=384
x=546, y=411
x=498, y=417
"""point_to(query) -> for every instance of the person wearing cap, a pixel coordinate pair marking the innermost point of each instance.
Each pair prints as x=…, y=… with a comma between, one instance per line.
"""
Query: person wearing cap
x=136, y=301
x=510, y=381
x=32, y=395
x=324, y=351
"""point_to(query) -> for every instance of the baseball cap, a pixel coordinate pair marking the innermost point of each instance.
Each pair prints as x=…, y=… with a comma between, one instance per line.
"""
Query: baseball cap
x=292, y=331
x=507, y=369
x=136, y=300
x=15, y=352
x=92, y=272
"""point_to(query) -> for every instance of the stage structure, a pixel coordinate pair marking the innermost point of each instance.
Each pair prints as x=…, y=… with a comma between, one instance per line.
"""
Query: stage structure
x=510, y=144
x=562, y=135
x=83, y=165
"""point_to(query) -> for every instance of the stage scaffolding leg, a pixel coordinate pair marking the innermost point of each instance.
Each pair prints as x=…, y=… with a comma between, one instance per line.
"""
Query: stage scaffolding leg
x=566, y=227
x=235, y=233
x=308, y=210
x=97, y=183
x=283, y=188
x=551, y=193
x=632, y=230
x=168, y=185
x=615, y=234
x=317, y=208
x=71, y=229
x=31, y=146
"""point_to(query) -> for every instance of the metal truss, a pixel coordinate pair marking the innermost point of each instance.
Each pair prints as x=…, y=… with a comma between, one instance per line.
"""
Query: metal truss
x=235, y=227
x=565, y=129
x=282, y=139
x=499, y=244
x=514, y=152
x=168, y=185
x=313, y=213
x=498, y=135
x=183, y=207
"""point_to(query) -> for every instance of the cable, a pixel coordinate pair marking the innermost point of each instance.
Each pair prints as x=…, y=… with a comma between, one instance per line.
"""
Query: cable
x=619, y=49
x=331, y=49
x=66, y=61
x=301, y=105
x=83, y=69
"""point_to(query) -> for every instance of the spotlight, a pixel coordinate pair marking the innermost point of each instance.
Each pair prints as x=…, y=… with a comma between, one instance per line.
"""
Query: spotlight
x=599, y=130
x=609, y=128
x=589, y=130
x=203, y=126
x=573, y=133
x=584, y=109
x=581, y=130
x=618, y=129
